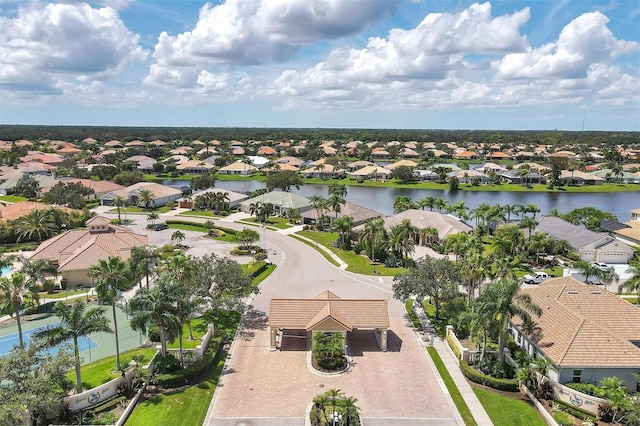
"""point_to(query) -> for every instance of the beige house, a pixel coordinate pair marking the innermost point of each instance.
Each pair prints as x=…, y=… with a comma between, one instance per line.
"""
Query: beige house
x=162, y=193
x=327, y=313
x=238, y=168
x=587, y=332
x=76, y=250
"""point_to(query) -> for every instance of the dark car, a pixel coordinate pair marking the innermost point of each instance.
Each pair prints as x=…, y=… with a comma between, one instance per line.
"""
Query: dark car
x=160, y=226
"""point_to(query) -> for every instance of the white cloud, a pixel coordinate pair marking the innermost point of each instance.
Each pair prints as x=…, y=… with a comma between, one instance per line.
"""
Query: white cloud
x=584, y=41
x=64, y=42
x=442, y=63
x=257, y=31
x=435, y=47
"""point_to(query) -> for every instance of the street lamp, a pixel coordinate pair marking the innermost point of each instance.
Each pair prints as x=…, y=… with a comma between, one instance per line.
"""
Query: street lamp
x=335, y=418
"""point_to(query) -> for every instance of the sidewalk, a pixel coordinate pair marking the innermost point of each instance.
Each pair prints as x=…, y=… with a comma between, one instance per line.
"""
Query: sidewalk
x=453, y=367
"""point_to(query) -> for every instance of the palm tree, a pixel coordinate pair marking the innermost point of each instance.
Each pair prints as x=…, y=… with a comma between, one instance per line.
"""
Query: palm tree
x=35, y=270
x=178, y=236
x=588, y=270
x=504, y=301
x=440, y=204
x=633, y=282
x=146, y=197
x=155, y=306
x=339, y=189
x=110, y=275
x=343, y=225
x=318, y=203
x=152, y=217
x=374, y=236
x=143, y=261
x=220, y=200
x=430, y=235
x=334, y=202
x=118, y=202
x=15, y=292
x=186, y=305
x=616, y=169
x=349, y=410
x=75, y=322
x=402, y=238
x=402, y=203
x=38, y=223
x=429, y=201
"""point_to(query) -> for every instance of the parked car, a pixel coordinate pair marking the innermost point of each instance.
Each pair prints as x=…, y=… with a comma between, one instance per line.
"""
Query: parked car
x=601, y=265
x=536, y=277
x=160, y=226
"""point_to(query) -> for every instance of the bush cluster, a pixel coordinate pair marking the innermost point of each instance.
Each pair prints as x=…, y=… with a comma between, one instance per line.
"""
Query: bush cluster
x=179, y=377
x=587, y=388
x=507, y=385
x=575, y=411
x=165, y=364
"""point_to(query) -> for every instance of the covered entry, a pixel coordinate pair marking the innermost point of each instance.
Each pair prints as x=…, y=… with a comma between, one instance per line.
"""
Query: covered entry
x=328, y=313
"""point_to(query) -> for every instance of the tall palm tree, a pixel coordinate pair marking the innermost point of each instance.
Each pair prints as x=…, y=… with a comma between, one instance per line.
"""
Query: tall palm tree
x=75, y=322
x=38, y=223
x=146, y=197
x=504, y=301
x=440, y=204
x=339, y=189
x=374, y=236
x=335, y=202
x=186, y=306
x=15, y=293
x=35, y=270
x=155, y=306
x=118, y=202
x=143, y=262
x=588, y=270
x=343, y=225
x=111, y=275
x=428, y=201
x=350, y=410
x=403, y=239
x=318, y=203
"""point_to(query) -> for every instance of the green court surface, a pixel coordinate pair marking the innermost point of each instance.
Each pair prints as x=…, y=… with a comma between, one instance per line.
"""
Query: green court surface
x=106, y=342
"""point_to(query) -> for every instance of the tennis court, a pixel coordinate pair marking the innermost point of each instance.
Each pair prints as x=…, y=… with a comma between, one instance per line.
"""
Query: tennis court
x=11, y=340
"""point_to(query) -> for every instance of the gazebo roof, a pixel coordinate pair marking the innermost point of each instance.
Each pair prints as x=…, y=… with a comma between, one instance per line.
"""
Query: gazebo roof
x=309, y=314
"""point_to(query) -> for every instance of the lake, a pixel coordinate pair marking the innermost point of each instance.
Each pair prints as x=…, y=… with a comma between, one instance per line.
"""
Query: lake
x=381, y=199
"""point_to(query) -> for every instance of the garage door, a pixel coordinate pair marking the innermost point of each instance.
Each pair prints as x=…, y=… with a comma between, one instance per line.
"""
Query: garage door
x=588, y=256
x=609, y=257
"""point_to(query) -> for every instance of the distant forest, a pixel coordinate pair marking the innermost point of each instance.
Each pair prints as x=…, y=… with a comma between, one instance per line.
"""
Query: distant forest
x=147, y=134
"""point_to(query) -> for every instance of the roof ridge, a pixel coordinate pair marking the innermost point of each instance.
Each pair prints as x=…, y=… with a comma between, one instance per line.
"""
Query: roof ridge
x=564, y=354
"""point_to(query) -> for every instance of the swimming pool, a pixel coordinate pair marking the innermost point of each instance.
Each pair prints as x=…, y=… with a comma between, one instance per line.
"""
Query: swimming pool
x=5, y=270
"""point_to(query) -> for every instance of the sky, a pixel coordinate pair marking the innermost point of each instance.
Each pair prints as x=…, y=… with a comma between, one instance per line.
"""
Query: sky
x=400, y=64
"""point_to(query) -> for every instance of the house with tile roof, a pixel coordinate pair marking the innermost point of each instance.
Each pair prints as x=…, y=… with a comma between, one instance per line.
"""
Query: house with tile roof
x=162, y=193
x=358, y=213
x=282, y=201
x=17, y=210
x=585, y=331
x=76, y=250
x=589, y=245
x=99, y=187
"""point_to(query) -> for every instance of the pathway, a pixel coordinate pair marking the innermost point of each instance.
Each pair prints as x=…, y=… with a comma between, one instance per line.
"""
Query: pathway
x=452, y=364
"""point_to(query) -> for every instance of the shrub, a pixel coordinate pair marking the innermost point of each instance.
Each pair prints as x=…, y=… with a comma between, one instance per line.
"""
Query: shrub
x=179, y=377
x=587, y=388
x=562, y=419
x=453, y=347
x=166, y=364
x=508, y=385
x=574, y=411
x=494, y=368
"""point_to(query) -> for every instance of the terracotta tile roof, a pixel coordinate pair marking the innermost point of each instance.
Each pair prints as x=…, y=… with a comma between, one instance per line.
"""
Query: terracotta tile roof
x=23, y=208
x=308, y=313
x=584, y=326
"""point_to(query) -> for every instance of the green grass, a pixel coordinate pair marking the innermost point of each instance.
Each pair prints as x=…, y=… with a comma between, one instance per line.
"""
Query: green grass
x=412, y=315
x=183, y=407
x=276, y=222
x=356, y=263
x=185, y=227
x=100, y=372
x=505, y=411
x=12, y=198
x=198, y=327
x=264, y=274
x=463, y=409
x=324, y=254
x=60, y=294
x=202, y=213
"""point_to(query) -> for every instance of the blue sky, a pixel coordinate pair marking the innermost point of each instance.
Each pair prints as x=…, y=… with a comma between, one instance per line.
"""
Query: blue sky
x=502, y=65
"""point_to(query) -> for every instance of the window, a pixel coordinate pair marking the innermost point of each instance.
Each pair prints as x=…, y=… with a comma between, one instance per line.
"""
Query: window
x=577, y=376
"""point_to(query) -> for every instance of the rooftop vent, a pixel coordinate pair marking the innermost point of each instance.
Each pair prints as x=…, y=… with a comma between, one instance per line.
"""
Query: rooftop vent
x=572, y=292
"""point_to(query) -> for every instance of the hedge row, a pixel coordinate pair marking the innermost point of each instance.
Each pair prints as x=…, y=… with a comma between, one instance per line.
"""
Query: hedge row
x=507, y=385
x=588, y=388
x=260, y=270
x=178, y=378
x=575, y=411
x=454, y=347
x=199, y=224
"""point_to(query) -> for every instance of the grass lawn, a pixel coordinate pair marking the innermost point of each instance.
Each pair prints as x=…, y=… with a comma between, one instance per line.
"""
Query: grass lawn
x=203, y=213
x=275, y=222
x=198, y=327
x=60, y=294
x=12, y=198
x=505, y=411
x=101, y=371
x=322, y=252
x=357, y=263
x=185, y=227
x=465, y=413
x=186, y=406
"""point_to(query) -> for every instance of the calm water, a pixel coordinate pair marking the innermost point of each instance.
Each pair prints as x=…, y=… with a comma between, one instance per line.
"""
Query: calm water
x=381, y=199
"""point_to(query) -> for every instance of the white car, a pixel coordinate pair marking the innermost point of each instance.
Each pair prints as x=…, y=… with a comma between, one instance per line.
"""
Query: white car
x=601, y=265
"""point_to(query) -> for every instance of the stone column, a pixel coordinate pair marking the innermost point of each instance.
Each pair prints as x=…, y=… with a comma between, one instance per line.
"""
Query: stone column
x=273, y=333
x=383, y=340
